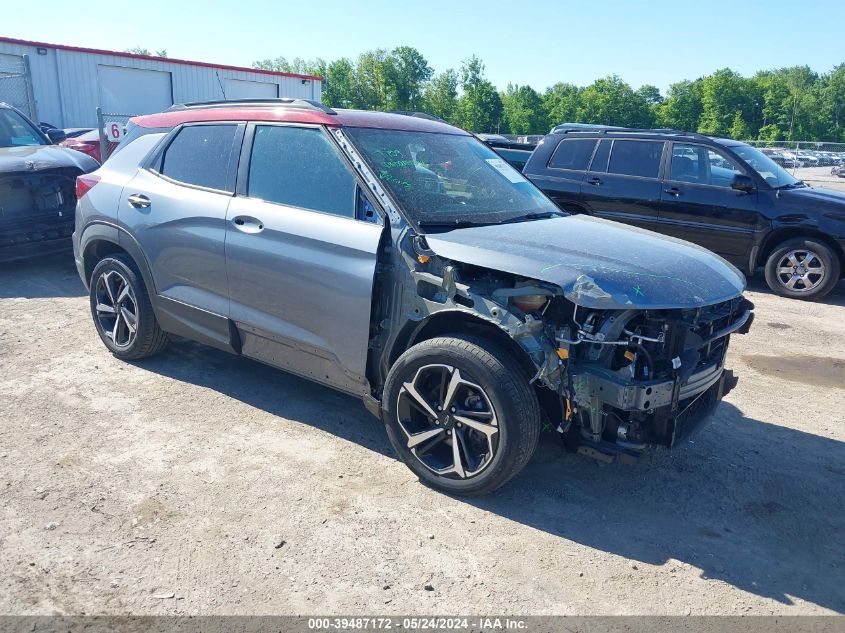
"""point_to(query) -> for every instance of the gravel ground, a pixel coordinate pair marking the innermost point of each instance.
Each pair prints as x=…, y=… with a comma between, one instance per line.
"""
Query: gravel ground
x=819, y=177
x=200, y=483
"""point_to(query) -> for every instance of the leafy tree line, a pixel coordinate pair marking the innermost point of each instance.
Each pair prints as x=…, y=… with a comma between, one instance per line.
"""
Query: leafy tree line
x=776, y=105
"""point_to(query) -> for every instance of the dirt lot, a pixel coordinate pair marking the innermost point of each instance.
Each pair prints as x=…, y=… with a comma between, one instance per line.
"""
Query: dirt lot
x=819, y=177
x=197, y=482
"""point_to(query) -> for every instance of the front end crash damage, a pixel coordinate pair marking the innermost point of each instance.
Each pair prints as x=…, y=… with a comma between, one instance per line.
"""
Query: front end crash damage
x=611, y=380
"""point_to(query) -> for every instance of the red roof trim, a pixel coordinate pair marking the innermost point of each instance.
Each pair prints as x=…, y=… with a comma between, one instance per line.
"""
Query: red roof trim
x=98, y=51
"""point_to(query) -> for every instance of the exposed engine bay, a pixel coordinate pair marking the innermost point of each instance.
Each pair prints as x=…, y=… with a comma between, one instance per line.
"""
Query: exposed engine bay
x=611, y=381
x=36, y=207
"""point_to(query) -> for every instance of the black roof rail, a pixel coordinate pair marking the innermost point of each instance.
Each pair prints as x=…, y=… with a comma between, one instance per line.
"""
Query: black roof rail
x=586, y=127
x=419, y=115
x=228, y=103
x=569, y=128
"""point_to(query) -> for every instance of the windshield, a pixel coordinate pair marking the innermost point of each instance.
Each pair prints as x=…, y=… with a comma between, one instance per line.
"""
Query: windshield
x=15, y=131
x=448, y=179
x=768, y=169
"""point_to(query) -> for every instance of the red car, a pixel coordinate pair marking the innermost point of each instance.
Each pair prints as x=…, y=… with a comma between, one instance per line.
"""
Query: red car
x=87, y=143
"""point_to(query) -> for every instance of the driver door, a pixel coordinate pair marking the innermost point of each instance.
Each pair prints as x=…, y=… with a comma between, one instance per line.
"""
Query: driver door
x=300, y=262
x=697, y=202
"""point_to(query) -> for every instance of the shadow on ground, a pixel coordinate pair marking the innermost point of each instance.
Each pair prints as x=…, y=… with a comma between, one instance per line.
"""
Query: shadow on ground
x=41, y=278
x=835, y=298
x=747, y=502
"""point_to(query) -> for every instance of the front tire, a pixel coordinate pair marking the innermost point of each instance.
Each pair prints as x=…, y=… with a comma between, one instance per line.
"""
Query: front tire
x=122, y=312
x=802, y=268
x=461, y=414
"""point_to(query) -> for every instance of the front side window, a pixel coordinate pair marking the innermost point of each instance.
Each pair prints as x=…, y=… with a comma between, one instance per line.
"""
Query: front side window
x=442, y=179
x=15, y=131
x=770, y=171
x=573, y=154
x=200, y=155
x=300, y=167
x=635, y=158
x=697, y=164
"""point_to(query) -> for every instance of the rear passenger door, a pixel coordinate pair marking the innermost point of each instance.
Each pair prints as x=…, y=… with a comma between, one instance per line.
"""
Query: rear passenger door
x=301, y=244
x=623, y=182
x=175, y=208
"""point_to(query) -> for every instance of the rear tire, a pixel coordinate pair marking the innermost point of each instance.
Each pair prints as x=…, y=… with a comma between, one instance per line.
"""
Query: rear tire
x=122, y=311
x=486, y=405
x=802, y=268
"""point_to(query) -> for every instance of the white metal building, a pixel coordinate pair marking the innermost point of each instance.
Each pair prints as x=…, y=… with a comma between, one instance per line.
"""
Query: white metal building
x=68, y=83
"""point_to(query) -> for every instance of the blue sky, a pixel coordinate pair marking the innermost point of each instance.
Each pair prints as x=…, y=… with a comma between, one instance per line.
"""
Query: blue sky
x=538, y=42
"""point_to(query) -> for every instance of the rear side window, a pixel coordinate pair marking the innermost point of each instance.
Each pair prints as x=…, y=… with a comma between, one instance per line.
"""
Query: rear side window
x=300, y=167
x=200, y=155
x=573, y=154
x=602, y=154
x=132, y=132
x=636, y=158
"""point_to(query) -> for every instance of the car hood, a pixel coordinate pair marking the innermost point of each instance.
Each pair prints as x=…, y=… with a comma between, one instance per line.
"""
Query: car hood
x=816, y=194
x=39, y=157
x=597, y=263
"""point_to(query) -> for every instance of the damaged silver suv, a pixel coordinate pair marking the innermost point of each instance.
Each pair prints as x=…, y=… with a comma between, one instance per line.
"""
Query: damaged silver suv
x=399, y=259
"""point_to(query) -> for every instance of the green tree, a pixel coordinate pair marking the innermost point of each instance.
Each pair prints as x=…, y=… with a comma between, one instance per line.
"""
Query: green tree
x=372, y=80
x=479, y=107
x=340, y=90
x=408, y=71
x=137, y=50
x=682, y=107
x=440, y=96
x=561, y=103
x=651, y=94
x=834, y=103
x=299, y=66
x=611, y=101
x=723, y=94
x=522, y=110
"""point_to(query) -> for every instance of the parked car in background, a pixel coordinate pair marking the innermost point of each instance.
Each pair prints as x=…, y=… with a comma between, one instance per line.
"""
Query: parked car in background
x=807, y=160
x=838, y=170
x=791, y=160
x=721, y=194
x=493, y=137
x=776, y=155
x=401, y=260
x=87, y=143
x=73, y=132
x=37, y=180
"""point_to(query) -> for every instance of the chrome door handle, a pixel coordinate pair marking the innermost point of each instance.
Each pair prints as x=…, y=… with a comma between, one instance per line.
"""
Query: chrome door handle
x=247, y=224
x=138, y=200
x=594, y=181
x=674, y=191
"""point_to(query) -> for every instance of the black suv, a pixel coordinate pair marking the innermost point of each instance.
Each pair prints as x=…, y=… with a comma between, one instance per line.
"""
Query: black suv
x=721, y=194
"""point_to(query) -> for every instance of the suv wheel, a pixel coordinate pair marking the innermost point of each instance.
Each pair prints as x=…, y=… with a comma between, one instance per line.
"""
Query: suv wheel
x=802, y=269
x=461, y=414
x=122, y=310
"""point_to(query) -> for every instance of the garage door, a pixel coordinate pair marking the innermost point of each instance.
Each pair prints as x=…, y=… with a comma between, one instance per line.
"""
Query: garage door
x=239, y=89
x=133, y=90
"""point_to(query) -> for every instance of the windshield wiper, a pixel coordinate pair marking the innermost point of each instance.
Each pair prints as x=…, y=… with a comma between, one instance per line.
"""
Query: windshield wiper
x=538, y=215
x=793, y=185
x=456, y=224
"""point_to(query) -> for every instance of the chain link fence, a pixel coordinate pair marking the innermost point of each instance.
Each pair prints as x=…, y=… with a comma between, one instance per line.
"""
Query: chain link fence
x=112, y=128
x=813, y=146
x=16, y=84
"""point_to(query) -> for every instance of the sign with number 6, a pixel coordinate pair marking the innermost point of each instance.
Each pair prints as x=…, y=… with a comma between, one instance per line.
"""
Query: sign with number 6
x=114, y=132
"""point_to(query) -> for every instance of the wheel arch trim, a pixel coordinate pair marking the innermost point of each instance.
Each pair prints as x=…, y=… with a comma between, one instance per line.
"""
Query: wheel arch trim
x=98, y=232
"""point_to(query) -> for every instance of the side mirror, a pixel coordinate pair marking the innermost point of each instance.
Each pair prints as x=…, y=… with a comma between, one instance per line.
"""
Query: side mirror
x=743, y=183
x=56, y=135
